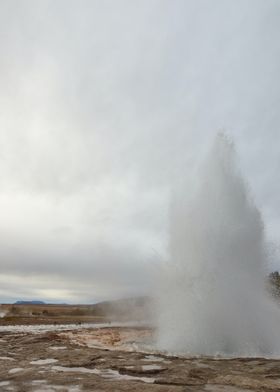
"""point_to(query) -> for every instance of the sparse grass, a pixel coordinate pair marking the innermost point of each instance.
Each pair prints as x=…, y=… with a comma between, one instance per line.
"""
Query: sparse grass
x=49, y=314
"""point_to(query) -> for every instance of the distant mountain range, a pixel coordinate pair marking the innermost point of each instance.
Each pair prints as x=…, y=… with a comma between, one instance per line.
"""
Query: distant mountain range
x=29, y=303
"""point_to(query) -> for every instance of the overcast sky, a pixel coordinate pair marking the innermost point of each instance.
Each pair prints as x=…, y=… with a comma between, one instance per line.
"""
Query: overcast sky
x=104, y=107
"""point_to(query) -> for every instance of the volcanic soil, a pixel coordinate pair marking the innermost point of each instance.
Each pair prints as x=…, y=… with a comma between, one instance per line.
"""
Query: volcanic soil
x=107, y=358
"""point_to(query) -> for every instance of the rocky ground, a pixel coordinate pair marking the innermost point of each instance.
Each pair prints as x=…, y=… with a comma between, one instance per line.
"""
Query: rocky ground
x=107, y=359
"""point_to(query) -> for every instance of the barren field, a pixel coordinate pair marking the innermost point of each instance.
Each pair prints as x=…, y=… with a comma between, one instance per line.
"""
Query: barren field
x=135, y=309
x=49, y=314
x=114, y=357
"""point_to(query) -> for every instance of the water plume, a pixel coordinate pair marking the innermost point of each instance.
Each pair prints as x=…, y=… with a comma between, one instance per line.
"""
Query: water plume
x=213, y=298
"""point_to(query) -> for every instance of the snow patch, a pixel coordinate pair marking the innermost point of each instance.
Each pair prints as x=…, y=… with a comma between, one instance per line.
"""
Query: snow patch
x=109, y=374
x=15, y=370
x=36, y=382
x=7, y=359
x=151, y=367
x=153, y=358
x=4, y=383
x=43, y=361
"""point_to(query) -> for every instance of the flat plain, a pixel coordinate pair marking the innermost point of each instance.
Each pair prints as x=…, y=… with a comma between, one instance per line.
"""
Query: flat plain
x=50, y=351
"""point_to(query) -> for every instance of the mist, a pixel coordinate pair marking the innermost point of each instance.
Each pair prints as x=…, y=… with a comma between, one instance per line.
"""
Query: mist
x=213, y=296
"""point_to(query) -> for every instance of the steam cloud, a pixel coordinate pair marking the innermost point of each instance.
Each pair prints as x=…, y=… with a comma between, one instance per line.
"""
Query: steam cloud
x=213, y=297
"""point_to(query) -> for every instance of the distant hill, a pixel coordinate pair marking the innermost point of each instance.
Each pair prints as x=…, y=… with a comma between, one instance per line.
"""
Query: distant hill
x=37, y=312
x=127, y=308
x=29, y=303
x=274, y=280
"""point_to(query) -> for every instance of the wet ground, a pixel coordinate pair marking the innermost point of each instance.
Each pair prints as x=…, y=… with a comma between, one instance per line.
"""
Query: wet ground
x=118, y=358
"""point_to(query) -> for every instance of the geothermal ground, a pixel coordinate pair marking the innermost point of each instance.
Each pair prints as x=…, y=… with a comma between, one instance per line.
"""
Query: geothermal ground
x=111, y=357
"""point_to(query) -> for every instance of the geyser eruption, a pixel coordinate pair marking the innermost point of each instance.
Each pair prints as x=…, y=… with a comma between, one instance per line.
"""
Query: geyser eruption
x=213, y=298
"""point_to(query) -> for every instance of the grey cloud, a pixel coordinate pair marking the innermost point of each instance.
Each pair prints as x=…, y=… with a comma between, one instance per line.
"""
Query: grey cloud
x=105, y=106
x=100, y=272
